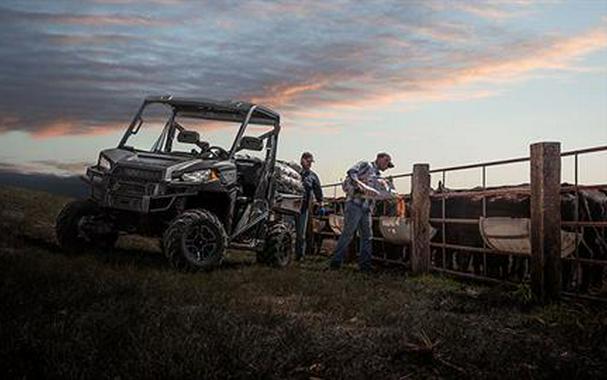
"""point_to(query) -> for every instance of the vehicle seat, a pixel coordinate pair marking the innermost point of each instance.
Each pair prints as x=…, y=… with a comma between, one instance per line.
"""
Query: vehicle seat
x=249, y=171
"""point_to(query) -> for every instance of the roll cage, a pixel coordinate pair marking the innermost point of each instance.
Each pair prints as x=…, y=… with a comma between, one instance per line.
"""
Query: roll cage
x=227, y=110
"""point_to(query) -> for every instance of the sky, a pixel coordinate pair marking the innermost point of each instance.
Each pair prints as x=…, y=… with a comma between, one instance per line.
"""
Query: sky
x=438, y=82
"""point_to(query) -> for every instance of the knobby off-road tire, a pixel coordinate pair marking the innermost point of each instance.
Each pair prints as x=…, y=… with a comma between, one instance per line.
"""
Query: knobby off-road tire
x=279, y=246
x=195, y=240
x=70, y=235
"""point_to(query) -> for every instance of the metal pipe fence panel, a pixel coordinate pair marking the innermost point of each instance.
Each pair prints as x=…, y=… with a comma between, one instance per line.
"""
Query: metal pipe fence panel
x=584, y=271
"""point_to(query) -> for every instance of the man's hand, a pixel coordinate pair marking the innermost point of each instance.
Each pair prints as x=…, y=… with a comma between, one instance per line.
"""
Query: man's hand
x=320, y=209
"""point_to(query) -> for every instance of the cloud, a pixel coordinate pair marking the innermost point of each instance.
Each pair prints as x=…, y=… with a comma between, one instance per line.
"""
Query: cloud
x=553, y=53
x=84, y=69
x=490, y=10
x=442, y=83
x=56, y=128
x=7, y=166
x=45, y=167
x=54, y=166
x=81, y=19
x=109, y=39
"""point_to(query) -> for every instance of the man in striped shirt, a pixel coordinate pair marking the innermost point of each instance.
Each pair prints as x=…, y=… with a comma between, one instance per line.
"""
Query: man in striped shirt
x=360, y=186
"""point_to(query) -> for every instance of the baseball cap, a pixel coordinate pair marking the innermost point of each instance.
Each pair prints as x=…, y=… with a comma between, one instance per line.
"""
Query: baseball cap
x=385, y=154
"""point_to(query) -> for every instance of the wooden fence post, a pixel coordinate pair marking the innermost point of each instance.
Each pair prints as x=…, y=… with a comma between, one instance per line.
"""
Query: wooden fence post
x=420, y=189
x=546, y=221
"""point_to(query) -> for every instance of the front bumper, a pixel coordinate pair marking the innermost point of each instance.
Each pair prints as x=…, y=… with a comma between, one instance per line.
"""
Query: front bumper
x=142, y=195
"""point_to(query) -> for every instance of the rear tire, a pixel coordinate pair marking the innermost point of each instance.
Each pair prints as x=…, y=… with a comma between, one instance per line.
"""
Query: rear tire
x=70, y=235
x=195, y=240
x=279, y=246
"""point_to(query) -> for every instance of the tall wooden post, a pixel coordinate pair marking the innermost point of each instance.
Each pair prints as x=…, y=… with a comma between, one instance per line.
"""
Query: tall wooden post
x=546, y=221
x=420, y=189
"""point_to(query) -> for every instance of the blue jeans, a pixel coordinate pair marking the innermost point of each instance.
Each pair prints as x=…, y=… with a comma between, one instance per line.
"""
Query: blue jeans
x=302, y=224
x=356, y=217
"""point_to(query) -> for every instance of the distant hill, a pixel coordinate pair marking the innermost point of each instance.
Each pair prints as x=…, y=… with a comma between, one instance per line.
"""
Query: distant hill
x=70, y=186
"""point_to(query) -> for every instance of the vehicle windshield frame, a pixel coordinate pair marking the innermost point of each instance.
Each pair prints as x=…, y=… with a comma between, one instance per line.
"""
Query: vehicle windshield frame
x=209, y=112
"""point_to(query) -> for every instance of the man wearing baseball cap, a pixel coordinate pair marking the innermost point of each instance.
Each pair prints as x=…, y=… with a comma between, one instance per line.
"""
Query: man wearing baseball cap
x=360, y=200
x=311, y=184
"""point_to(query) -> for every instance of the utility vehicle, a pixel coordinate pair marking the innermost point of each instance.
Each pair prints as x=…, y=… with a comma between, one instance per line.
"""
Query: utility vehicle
x=200, y=196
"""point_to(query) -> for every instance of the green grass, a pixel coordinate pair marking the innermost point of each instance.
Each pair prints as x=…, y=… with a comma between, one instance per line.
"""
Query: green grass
x=126, y=314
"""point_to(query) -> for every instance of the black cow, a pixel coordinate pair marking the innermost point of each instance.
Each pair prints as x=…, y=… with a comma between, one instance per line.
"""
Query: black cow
x=471, y=207
x=592, y=207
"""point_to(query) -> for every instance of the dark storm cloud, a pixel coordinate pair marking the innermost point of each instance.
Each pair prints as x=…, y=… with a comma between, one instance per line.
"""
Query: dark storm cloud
x=71, y=68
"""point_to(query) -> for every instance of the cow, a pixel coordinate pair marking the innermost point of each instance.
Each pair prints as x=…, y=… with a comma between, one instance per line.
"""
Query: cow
x=592, y=206
x=471, y=207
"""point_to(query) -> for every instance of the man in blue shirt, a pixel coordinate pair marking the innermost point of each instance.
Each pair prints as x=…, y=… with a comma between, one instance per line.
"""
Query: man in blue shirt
x=311, y=184
x=360, y=193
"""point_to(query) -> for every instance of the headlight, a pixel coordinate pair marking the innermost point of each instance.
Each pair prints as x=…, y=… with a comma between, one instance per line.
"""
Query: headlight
x=200, y=176
x=104, y=163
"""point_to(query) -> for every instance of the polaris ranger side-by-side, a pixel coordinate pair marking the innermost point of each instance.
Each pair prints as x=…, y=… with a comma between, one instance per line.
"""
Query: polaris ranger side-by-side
x=200, y=197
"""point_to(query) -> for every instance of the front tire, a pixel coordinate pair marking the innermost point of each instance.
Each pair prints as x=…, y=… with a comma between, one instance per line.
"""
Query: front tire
x=71, y=235
x=195, y=240
x=278, y=247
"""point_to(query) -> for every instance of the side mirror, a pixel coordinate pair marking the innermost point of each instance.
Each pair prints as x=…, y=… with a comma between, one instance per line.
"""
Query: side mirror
x=188, y=137
x=251, y=143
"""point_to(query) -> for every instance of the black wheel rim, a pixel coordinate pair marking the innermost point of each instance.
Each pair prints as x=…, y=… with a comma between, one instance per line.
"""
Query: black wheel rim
x=200, y=243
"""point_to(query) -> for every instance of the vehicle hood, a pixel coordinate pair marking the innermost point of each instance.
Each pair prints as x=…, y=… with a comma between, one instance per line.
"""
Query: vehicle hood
x=164, y=163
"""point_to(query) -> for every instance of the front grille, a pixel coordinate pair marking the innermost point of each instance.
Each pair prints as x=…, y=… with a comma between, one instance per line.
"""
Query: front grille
x=130, y=188
x=126, y=203
x=134, y=182
x=137, y=175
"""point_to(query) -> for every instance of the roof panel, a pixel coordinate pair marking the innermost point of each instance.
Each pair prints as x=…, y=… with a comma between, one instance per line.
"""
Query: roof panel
x=229, y=110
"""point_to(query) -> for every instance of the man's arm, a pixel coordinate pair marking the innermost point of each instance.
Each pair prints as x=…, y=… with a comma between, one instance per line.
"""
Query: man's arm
x=307, y=183
x=317, y=189
x=357, y=170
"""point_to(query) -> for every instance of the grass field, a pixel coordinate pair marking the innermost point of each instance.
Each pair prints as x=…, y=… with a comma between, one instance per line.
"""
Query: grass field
x=126, y=314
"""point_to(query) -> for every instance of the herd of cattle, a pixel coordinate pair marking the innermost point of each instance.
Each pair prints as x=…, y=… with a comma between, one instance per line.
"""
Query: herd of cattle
x=591, y=206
